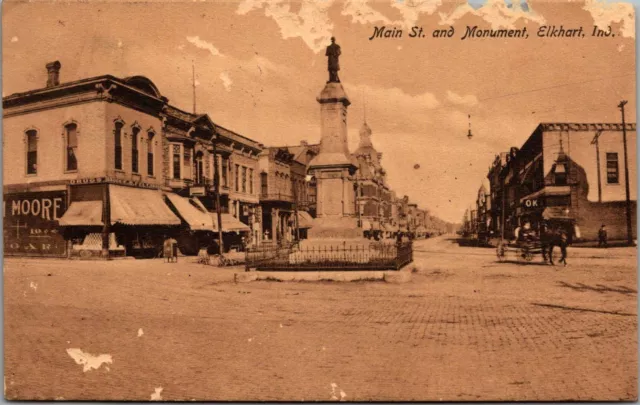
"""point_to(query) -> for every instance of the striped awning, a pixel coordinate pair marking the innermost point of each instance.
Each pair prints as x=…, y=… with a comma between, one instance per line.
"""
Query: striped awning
x=305, y=220
x=229, y=223
x=139, y=206
x=191, y=213
x=83, y=213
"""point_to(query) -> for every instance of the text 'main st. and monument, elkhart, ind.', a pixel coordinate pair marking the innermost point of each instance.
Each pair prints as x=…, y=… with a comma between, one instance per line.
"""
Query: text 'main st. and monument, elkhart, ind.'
x=476, y=32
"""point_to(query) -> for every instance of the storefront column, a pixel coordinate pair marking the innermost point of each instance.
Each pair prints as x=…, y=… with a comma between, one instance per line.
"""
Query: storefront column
x=275, y=224
x=106, y=218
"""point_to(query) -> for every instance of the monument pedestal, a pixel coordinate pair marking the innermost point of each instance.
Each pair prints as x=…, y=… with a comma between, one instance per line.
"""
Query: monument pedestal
x=333, y=169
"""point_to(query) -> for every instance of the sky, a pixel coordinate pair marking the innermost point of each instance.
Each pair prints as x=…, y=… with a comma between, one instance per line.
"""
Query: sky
x=260, y=66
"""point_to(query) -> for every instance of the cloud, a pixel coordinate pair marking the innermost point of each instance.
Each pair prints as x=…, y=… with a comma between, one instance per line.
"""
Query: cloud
x=468, y=100
x=606, y=13
x=310, y=23
x=226, y=81
x=14, y=39
x=360, y=12
x=496, y=12
x=411, y=9
x=204, y=45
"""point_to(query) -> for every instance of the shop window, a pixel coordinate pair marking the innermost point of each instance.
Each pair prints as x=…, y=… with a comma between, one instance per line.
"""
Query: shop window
x=71, y=139
x=613, y=174
x=32, y=152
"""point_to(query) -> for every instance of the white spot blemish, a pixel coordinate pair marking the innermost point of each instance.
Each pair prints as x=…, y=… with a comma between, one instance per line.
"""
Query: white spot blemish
x=88, y=361
x=323, y=348
x=156, y=395
x=342, y=395
x=333, y=391
x=140, y=332
x=399, y=47
x=620, y=47
x=14, y=39
x=34, y=286
x=119, y=43
x=281, y=325
x=249, y=340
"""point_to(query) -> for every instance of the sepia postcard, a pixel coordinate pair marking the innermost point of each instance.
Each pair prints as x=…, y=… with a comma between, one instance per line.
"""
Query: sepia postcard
x=319, y=200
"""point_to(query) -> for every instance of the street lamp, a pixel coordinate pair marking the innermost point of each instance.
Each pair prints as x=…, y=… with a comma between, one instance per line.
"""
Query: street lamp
x=469, y=135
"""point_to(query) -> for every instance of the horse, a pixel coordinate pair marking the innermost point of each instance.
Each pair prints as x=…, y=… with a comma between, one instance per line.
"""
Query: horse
x=551, y=238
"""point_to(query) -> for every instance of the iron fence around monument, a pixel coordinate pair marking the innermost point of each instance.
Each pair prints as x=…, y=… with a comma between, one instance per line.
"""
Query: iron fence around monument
x=375, y=256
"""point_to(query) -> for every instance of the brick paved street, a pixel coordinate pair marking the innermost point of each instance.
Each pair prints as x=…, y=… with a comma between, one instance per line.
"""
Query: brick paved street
x=464, y=328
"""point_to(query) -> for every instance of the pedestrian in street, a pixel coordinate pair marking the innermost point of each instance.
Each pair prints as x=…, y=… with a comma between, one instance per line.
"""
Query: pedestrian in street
x=602, y=236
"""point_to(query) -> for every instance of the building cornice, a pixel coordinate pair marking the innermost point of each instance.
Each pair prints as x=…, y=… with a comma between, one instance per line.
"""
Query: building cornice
x=584, y=127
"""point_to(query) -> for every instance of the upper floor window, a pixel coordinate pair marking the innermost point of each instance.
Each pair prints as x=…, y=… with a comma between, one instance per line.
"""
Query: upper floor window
x=560, y=174
x=150, y=157
x=263, y=183
x=71, y=139
x=176, y=162
x=118, y=146
x=199, y=168
x=237, y=177
x=244, y=179
x=225, y=172
x=613, y=174
x=32, y=151
x=250, y=181
x=134, y=149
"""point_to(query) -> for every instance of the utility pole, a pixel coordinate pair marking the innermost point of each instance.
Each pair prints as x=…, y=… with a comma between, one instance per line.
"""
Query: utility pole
x=216, y=185
x=596, y=142
x=193, y=82
x=626, y=174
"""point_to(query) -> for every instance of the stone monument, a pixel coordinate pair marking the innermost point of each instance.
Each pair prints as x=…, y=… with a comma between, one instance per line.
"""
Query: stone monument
x=334, y=167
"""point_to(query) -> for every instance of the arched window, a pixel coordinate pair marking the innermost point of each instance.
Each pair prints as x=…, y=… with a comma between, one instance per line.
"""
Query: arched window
x=32, y=151
x=71, y=139
x=117, y=134
x=134, y=149
x=150, y=160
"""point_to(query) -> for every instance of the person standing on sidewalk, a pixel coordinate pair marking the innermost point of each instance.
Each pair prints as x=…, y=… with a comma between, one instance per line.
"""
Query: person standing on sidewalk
x=602, y=236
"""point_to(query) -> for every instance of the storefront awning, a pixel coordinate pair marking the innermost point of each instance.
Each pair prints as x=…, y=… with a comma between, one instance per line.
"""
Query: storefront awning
x=304, y=219
x=421, y=229
x=83, y=213
x=193, y=215
x=365, y=225
x=229, y=223
x=375, y=226
x=139, y=206
x=556, y=213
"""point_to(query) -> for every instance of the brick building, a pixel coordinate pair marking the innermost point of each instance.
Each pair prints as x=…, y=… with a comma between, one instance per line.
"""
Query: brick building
x=569, y=174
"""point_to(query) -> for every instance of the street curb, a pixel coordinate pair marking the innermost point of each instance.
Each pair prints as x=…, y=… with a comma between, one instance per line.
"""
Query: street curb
x=392, y=276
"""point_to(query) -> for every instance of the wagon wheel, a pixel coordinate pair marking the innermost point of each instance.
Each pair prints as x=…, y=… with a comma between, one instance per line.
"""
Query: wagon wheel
x=526, y=254
x=500, y=251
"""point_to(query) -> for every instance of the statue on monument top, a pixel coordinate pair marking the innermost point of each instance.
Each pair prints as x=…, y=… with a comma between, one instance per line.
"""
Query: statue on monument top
x=333, y=52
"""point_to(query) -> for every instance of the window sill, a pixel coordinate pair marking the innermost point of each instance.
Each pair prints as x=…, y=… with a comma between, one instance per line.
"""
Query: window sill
x=70, y=171
x=31, y=175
